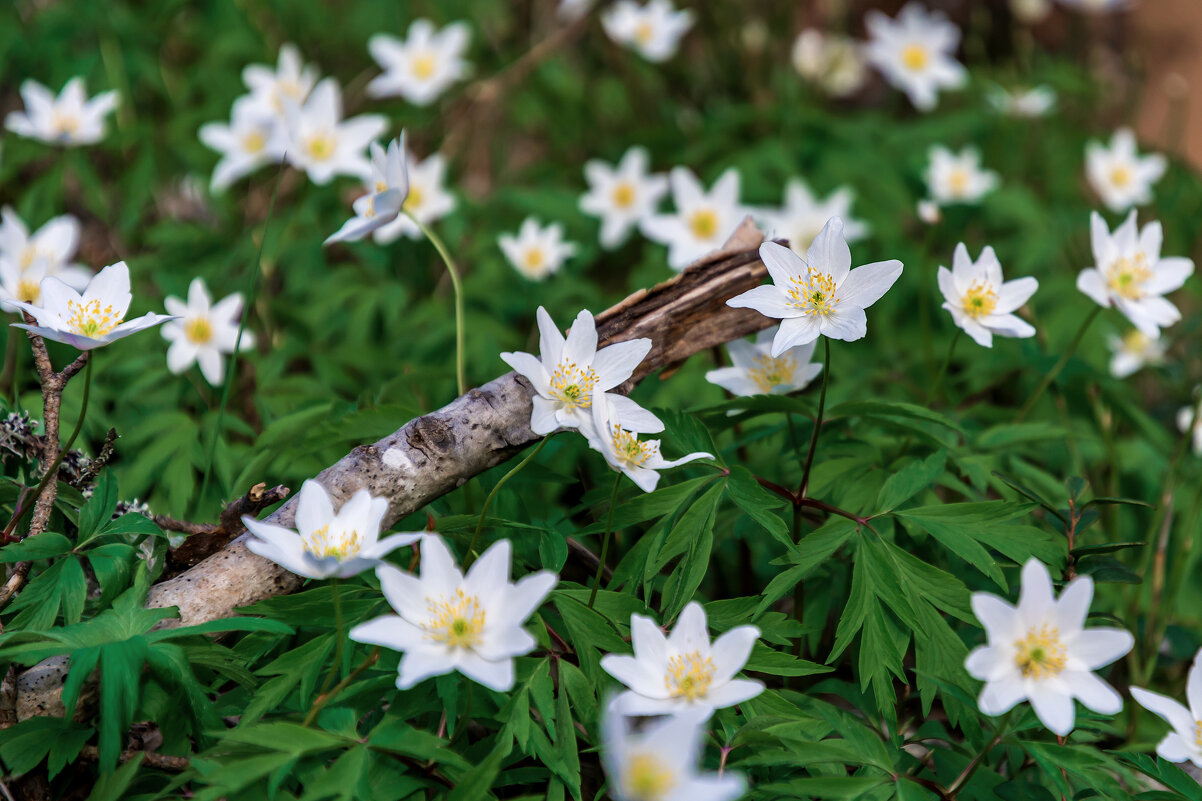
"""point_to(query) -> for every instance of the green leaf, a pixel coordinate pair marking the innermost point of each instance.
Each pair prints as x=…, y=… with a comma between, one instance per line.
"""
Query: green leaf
x=757, y=503
x=24, y=745
x=889, y=409
x=43, y=546
x=813, y=550
x=1108, y=570
x=910, y=480
x=1118, y=501
x=99, y=508
x=114, y=786
x=475, y=784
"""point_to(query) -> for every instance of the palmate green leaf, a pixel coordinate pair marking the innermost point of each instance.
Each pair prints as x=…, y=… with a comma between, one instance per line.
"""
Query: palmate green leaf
x=1107, y=570
x=687, y=577
x=120, y=676
x=46, y=545
x=777, y=663
x=1166, y=773
x=889, y=409
x=113, y=787
x=822, y=787
x=910, y=480
x=813, y=550
x=345, y=780
x=689, y=526
x=397, y=736
x=565, y=744
x=99, y=508
x=757, y=503
x=476, y=783
x=302, y=666
x=23, y=746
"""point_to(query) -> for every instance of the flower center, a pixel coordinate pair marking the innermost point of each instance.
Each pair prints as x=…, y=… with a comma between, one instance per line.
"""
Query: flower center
x=198, y=330
x=980, y=300
x=533, y=259
x=646, y=778
x=629, y=449
x=689, y=676
x=414, y=201
x=1121, y=176
x=1136, y=341
x=1041, y=654
x=958, y=181
x=28, y=291
x=813, y=294
x=703, y=223
x=285, y=87
x=65, y=124
x=28, y=255
x=424, y=65
x=89, y=320
x=623, y=195
x=915, y=57
x=457, y=622
x=320, y=147
x=341, y=544
x=1198, y=733
x=572, y=386
x=254, y=142
x=1127, y=276
x=644, y=32
x=770, y=373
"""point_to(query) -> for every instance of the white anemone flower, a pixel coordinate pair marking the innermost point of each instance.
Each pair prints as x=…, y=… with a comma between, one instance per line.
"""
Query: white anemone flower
x=421, y=67
x=251, y=139
x=1185, y=740
x=683, y=670
x=446, y=621
x=614, y=432
x=1027, y=103
x=204, y=332
x=835, y=63
x=1131, y=275
x=90, y=320
x=803, y=216
x=428, y=200
x=1133, y=351
x=1119, y=175
x=980, y=301
x=819, y=295
x=571, y=373
x=757, y=372
x=32, y=257
x=1189, y=421
x=702, y=221
x=328, y=544
x=387, y=190
x=1041, y=651
x=536, y=252
x=659, y=761
x=323, y=144
x=69, y=119
x=915, y=52
x=958, y=177
x=652, y=30
x=291, y=81
x=623, y=195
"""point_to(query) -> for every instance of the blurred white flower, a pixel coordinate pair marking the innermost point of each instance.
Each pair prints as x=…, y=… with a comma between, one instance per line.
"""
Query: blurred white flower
x=1133, y=351
x=702, y=221
x=958, y=177
x=204, y=331
x=25, y=259
x=570, y=373
x=428, y=199
x=614, y=434
x=659, y=762
x=23, y=285
x=1036, y=101
x=623, y=195
x=757, y=372
x=1130, y=274
x=1119, y=175
x=1189, y=417
x=323, y=144
x=252, y=138
x=916, y=52
x=819, y=295
x=387, y=191
x=980, y=301
x=573, y=9
x=446, y=621
x=929, y=212
x=536, y=252
x=684, y=670
x=835, y=63
x=289, y=82
x=804, y=216
x=652, y=30
x=69, y=119
x=1184, y=741
x=1029, y=12
x=328, y=544
x=424, y=65
x=1041, y=651
x=92, y=320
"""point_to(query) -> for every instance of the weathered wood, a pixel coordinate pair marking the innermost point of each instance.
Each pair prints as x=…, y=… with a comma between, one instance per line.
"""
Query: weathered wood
x=438, y=452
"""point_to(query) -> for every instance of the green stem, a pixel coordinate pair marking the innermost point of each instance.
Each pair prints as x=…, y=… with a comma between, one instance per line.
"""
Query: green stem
x=972, y=766
x=471, y=549
x=325, y=698
x=336, y=668
x=826, y=377
x=609, y=529
x=8, y=379
x=1055, y=371
x=933, y=395
x=453, y=271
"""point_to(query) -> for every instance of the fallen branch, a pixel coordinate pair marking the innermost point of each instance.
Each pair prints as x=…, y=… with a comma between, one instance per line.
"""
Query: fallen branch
x=439, y=452
x=205, y=539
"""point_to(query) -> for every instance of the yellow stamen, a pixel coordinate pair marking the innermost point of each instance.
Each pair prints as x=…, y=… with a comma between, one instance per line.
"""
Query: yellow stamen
x=1136, y=341
x=198, y=331
x=630, y=449
x=646, y=778
x=320, y=147
x=533, y=259
x=414, y=201
x=915, y=57
x=1126, y=276
x=1198, y=733
x=457, y=622
x=424, y=65
x=703, y=223
x=623, y=195
x=65, y=123
x=980, y=300
x=958, y=181
x=644, y=33
x=1040, y=655
x=813, y=294
x=572, y=386
x=253, y=142
x=689, y=676
x=769, y=373
x=28, y=291
x=89, y=320
x=342, y=544
x=1121, y=176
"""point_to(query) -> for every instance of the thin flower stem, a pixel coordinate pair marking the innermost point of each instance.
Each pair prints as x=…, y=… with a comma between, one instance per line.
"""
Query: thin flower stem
x=1055, y=371
x=471, y=549
x=972, y=766
x=826, y=377
x=8, y=379
x=609, y=530
x=933, y=395
x=335, y=669
x=325, y=698
x=457, y=286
